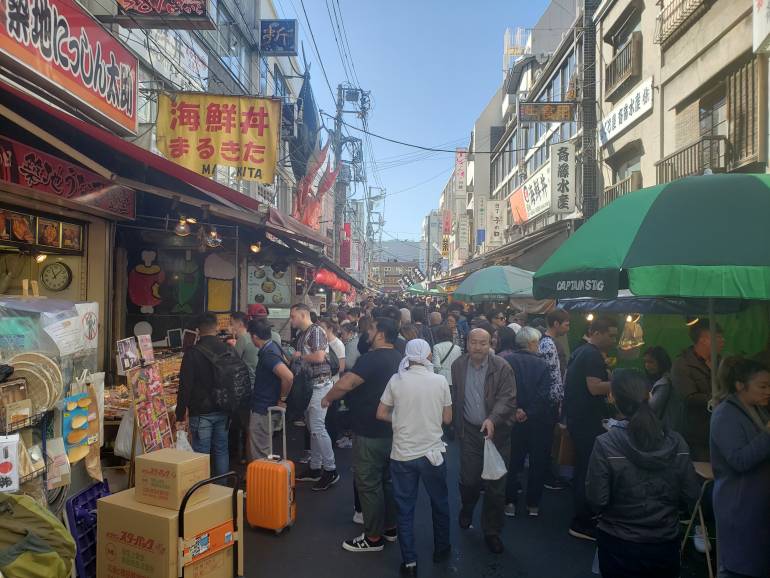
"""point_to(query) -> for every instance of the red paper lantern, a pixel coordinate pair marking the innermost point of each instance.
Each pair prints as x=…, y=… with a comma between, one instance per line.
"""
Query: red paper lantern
x=319, y=276
x=339, y=285
x=345, y=287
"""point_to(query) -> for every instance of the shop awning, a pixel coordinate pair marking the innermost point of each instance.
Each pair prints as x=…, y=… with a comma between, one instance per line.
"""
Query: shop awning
x=284, y=225
x=119, y=160
x=320, y=260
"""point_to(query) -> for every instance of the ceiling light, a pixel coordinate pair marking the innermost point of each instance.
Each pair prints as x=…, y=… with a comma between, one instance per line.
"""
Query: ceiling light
x=255, y=247
x=629, y=319
x=590, y=317
x=213, y=239
x=191, y=220
x=182, y=229
x=40, y=257
x=692, y=322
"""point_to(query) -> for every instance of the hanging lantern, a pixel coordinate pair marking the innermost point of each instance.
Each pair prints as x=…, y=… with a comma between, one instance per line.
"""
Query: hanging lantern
x=320, y=277
x=331, y=279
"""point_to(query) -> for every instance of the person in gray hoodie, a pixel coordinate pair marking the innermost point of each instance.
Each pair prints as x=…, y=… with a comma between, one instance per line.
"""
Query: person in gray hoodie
x=740, y=454
x=638, y=475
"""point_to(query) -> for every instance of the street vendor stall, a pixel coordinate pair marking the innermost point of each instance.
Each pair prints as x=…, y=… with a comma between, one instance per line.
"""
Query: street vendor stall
x=504, y=284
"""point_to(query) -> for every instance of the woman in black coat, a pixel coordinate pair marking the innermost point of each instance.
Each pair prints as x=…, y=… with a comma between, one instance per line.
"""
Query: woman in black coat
x=638, y=476
x=740, y=455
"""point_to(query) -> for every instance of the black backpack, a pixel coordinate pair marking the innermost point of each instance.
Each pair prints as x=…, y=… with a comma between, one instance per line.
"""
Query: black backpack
x=231, y=389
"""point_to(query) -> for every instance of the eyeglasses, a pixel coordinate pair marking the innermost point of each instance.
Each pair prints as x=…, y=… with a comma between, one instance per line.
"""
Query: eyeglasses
x=500, y=317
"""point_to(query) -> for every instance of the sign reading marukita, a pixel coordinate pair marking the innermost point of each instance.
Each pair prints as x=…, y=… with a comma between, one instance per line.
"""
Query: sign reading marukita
x=202, y=131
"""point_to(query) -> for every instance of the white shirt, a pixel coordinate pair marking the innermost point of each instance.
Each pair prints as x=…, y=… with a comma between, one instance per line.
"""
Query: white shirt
x=339, y=350
x=418, y=400
x=449, y=352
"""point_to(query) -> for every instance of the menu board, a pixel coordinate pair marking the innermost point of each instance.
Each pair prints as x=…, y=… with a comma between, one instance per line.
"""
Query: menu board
x=22, y=229
x=153, y=424
x=268, y=286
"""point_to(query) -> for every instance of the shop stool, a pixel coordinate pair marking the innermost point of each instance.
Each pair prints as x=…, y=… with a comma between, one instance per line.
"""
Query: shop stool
x=705, y=471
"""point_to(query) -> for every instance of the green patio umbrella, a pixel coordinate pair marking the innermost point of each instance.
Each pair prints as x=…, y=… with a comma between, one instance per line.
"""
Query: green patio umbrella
x=496, y=283
x=421, y=289
x=703, y=236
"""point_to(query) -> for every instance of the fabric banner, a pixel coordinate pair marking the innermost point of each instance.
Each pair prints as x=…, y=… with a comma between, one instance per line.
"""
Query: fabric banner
x=203, y=131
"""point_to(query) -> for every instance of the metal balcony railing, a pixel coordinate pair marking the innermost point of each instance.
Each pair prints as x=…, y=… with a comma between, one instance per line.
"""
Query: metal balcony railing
x=709, y=152
x=676, y=16
x=631, y=183
x=626, y=65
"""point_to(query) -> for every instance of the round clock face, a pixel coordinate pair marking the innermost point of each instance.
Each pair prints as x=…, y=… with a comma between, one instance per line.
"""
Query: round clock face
x=56, y=276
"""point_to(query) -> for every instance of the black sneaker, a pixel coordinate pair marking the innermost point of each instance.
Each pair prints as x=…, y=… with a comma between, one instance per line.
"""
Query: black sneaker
x=556, y=484
x=442, y=555
x=409, y=569
x=363, y=544
x=466, y=519
x=583, y=532
x=309, y=475
x=328, y=479
x=391, y=535
x=494, y=543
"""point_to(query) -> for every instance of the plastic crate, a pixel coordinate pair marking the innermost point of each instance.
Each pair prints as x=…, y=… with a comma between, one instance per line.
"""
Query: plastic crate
x=81, y=521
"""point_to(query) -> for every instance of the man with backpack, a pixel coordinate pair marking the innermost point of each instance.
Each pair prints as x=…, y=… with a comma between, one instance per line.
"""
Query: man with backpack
x=312, y=361
x=213, y=383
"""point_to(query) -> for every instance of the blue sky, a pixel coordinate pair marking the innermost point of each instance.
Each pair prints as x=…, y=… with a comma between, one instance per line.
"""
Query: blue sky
x=431, y=66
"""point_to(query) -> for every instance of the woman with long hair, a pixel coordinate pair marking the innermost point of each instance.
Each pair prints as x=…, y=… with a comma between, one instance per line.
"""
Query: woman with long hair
x=740, y=455
x=665, y=401
x=637, y=476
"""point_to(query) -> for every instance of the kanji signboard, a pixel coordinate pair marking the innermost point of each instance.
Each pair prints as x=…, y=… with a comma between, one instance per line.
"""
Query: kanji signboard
x=537, y=191
x=495, y=223
x=56, y=44
x=278, y=37
x=172, y=14
x=34, y=169
x=546, y=112
x=563, y=179
x=202, y=131
x=461, y=168
x=631, y=108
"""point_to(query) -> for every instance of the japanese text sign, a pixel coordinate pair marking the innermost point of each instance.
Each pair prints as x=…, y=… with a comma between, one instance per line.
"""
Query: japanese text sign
x=495, y=223
x=445, y=246
x=546, y=112
x=536, y=191
x=29, y=167
x=447, y=222
x=172, y=14
x=278, y=37
x=461, y=168
x=201, y=131
x=630, y=109
x=59, y=46
x=563, y=179
x=761, y=25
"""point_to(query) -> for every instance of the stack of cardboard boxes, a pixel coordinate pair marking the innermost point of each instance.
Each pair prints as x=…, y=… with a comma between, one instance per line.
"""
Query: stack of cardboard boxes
x=138, y=529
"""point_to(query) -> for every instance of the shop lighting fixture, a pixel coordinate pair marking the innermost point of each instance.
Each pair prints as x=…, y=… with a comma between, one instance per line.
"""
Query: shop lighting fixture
x=213, y=239
x=692, y=322
x=182, y=229
x=321, y=290
x=590, y=317
x=255, y=247
x=40, y=257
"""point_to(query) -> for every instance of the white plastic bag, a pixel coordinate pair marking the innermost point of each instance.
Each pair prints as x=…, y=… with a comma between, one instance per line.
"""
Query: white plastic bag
x=125, y=435
x=494, y=466
x=182, y=443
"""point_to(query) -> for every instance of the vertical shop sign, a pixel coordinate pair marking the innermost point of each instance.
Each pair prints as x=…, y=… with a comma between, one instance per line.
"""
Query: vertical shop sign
x=345, y=246
x=537, y=191
x=495, y=212
x=445, y=246
x=461, y=168
x=203, y=131
x=59, y=46
x=278, y=37
x=563, y=179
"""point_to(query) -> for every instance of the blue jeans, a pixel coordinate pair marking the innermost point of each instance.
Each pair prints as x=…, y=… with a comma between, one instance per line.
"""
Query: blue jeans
x=406, y=484
x=208, y=435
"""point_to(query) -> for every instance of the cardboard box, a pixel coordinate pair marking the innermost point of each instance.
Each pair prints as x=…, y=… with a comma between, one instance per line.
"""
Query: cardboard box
x=140, y=540
x=164, y=476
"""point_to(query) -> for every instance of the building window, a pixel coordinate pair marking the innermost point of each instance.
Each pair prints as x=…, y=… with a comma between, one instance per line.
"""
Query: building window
x=280, y=83
x=712, y=113
x=231, y=46
x=264, y=71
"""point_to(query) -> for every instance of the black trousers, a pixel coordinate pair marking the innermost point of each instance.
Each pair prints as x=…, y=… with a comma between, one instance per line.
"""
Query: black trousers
x=534, y=438
x=583, y=437
x=471, y=466
x=623, y=559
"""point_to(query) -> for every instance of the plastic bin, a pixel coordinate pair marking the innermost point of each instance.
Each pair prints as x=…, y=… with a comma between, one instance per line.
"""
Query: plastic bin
x=81, y=522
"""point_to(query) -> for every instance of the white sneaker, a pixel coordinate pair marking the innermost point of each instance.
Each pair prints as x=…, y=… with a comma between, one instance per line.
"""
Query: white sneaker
x=699, y=541
x=358, y=518
x=510, y=510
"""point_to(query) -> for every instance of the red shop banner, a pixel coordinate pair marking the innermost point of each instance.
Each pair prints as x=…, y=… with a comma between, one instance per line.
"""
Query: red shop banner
x=171, y=14
x=29, y=167
x=56, y=44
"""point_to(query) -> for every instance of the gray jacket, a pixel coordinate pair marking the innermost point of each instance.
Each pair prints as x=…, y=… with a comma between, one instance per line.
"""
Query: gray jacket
x=637, y=493
x=740, y=454
x=499, y=394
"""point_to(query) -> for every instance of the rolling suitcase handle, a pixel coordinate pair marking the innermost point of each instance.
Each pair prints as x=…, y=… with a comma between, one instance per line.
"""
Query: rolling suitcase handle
x=236, y=534
x=282, y=411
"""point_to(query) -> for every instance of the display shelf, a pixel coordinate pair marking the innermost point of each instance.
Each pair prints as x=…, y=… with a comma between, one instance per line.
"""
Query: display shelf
x=19, y=424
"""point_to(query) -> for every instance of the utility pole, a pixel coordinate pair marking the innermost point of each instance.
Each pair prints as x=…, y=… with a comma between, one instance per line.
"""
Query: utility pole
x=588, y=110
x=340, y=187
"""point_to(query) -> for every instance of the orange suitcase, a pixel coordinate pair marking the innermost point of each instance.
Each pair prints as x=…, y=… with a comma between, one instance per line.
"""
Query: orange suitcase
x=270, y=487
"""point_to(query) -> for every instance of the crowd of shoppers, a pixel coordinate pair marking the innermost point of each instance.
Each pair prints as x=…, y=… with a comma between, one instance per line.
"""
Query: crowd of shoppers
x=399, y=380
